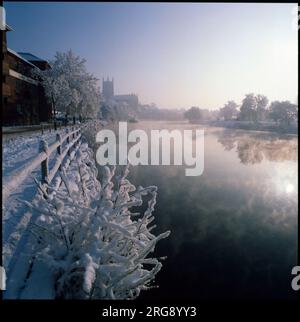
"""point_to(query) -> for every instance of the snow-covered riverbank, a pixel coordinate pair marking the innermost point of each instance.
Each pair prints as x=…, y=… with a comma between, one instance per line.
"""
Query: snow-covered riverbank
x=76, y=238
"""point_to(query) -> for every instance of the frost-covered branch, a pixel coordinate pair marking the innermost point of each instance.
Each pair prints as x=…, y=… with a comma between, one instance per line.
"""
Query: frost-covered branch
x=96, y=247
x=69, y=87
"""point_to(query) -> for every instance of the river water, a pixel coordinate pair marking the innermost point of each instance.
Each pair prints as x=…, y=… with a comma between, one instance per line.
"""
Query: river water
x=234, y=228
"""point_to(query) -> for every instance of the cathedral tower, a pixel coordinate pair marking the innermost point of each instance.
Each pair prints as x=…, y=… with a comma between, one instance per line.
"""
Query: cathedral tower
x=108, y=89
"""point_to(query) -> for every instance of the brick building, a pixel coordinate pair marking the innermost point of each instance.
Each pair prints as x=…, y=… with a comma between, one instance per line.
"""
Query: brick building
x=23, y=98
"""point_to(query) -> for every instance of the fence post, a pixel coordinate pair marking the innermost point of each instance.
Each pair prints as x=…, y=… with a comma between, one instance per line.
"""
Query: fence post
x=78, y=134
x=58, y=139
x=68, y=141
x=44, y=165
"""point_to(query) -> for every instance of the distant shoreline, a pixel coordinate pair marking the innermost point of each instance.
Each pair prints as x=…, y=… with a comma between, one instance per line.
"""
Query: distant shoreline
x=248, y=126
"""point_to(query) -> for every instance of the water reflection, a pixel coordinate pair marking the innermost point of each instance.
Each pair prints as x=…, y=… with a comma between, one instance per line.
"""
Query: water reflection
x=254, y=148
x=234, y=229
x=229, y=240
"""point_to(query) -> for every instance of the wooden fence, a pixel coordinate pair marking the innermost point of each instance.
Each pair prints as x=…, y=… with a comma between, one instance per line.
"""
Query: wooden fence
x=42, y=159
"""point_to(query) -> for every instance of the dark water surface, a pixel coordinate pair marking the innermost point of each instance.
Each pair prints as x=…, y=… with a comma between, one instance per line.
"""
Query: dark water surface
x=234, y=228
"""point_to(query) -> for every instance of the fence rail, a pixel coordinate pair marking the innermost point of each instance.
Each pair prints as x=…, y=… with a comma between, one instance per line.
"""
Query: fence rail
x=42, y=159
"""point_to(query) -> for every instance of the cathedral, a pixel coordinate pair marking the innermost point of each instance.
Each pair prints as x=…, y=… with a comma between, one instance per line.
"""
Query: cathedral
x=108, y=89
x=108, y=94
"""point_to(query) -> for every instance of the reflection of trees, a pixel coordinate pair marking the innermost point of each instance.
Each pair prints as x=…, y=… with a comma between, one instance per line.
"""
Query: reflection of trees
x=254, y=148
x=228, y=143
x=249, y=152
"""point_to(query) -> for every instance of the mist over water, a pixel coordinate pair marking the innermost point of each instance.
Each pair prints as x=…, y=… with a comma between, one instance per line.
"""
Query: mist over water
x=234, y=228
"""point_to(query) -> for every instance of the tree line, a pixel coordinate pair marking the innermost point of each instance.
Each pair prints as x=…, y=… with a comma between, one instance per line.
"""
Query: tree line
x=74, y=92
x=253, y=109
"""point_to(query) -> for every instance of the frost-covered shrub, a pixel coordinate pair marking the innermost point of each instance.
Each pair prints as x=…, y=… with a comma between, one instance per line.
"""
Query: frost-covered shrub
x=89, y=131
x=96, y=246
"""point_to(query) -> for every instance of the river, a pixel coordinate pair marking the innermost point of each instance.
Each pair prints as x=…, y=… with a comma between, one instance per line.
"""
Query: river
x=233, y=228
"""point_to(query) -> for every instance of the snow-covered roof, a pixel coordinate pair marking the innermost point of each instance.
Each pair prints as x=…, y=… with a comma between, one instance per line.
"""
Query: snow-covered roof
x=19, y=56
x=31, y=57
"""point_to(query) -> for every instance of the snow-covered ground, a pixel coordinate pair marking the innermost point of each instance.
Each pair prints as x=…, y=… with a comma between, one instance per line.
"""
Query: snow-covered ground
x=17, y=152
x=17, y=129
x=77, y=237
x=22, y=148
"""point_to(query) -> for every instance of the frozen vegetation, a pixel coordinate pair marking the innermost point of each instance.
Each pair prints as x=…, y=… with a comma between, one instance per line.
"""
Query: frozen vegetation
x=18, y=152
x=88, y=240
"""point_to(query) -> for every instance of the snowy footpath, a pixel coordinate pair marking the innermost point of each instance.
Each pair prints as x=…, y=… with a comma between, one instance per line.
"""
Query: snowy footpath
x=17, y=152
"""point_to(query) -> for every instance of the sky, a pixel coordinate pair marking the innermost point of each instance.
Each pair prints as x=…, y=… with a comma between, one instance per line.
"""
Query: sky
x=175, y=55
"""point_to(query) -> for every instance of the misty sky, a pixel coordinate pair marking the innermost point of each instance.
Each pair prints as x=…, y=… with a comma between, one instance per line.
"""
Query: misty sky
x=176, y=55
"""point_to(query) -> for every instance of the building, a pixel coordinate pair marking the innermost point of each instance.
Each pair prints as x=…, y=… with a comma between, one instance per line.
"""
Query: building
x=129, y=99
x=108, y=94
x=108, y=89
x=23, y=98
x=38, y=62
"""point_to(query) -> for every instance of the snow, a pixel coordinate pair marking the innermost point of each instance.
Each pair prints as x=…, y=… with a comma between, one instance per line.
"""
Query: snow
x=17, y=153
x=19, y=56
x=23, y=148
x=31, y=57
x=76, y=237
x=69, y=86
